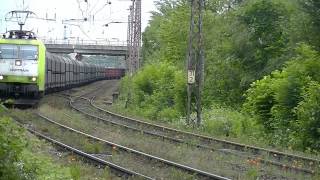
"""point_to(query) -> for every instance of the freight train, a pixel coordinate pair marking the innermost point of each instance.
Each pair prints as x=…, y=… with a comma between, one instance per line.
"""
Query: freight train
x=28, y=70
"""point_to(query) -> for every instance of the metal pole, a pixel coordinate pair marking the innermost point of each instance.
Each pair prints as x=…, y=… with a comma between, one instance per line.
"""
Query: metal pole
x=134, y=42
x=195, y=58
x=137, y=34
x=200, y=64
x=130, y=55
x=190, y=67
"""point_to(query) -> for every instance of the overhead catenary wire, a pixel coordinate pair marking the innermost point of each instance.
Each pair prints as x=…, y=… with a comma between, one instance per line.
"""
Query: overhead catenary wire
x=79, y=7
x=94, y=6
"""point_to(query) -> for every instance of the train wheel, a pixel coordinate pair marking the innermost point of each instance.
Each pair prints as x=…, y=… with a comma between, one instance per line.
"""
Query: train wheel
x=38, y=95
x=41, y=94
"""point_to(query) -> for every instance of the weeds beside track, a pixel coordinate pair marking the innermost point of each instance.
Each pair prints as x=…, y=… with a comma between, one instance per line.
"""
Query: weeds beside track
x=114, y=120
x=265, y=156
x=275, y=158
x=140, y=155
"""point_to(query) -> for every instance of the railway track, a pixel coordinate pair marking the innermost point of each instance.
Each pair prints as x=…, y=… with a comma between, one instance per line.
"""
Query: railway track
x=125, y=151
x=115, y=169
x=118, y=170
x=176, y=139
x=87, y=106
x=209, y=142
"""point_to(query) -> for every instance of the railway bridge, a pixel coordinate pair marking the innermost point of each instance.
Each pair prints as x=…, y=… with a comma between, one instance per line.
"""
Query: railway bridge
x=88, y=47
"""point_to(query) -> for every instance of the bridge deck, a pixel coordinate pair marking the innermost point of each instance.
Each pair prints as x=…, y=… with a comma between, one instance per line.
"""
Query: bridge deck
x=87, y=47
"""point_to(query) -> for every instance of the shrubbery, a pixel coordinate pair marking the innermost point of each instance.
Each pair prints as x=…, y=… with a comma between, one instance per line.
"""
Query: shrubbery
x=11, y=147
x=286, y=102
x=157, y=92
x=244, y=42
x=18, y=162
x=308, y=115
x=222, y=121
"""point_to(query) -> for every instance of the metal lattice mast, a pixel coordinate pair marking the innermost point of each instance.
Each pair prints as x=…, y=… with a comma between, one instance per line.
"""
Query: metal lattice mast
x=195, y=60
x=130, y=42
x=137, y=34
x=134, y=42
x=134, y=36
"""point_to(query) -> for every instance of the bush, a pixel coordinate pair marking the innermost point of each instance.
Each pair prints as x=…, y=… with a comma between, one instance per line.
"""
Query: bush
x=157, y=92
x=17, y=161
x=278, y=101
x=308, y=112
x=222, y=121
x=11, y=147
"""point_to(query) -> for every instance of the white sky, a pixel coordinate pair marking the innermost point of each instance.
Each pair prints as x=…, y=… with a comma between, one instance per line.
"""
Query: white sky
x=71, y=9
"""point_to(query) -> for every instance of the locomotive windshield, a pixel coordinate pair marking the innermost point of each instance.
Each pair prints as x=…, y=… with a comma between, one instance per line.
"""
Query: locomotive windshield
x=8, y=51
x=27, y=52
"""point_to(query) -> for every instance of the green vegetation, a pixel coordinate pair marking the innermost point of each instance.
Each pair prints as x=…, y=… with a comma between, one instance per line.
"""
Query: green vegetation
x=159, y=90
x=222, y=121
x=24, y=157
x=36, y=159
x=287, y=103
x=204, y=159
x=261, y=69
x=19, y=161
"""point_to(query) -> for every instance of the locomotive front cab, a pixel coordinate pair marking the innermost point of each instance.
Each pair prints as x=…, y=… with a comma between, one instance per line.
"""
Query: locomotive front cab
x=19, y=67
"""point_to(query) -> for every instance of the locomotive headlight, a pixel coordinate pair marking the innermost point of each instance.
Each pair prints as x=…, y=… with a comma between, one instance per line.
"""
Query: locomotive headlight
x=33, y=79
x=1, y=77
x=18, y=63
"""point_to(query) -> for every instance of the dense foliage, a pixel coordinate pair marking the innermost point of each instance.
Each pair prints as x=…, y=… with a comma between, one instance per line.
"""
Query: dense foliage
x=158, y=90
x=17, y=161
x=260, y=53
x=287, y=101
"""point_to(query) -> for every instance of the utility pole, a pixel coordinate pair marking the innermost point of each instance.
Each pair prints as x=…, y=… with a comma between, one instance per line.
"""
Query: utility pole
x=130, y=42
x=195, y=61
x=134, y=37
x=134, y=42
x=137, y=34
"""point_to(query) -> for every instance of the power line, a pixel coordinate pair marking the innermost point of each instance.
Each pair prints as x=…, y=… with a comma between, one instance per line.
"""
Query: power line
x=94, y=6
x=108, y=3
x=79, y=7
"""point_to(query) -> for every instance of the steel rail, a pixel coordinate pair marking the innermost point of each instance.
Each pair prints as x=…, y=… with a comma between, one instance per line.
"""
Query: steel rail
x=91, y=157
x=188, y=169
x=257, y=150
x=116, y=168
x=236, y=146
x=164, y=137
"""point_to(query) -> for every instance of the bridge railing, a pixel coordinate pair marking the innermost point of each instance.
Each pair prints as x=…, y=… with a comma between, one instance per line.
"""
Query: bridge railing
x=104, y=42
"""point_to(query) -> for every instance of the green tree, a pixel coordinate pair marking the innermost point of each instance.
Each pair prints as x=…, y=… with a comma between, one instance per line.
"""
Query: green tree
x=308, y=117
x=165, y=39
x=158, y=92
x=278, y=100
x=312, y=7
x=264, y=21
x=245, y=42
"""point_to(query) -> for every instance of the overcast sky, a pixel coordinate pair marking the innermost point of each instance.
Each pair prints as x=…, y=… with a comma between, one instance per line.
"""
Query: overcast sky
x=98, y=12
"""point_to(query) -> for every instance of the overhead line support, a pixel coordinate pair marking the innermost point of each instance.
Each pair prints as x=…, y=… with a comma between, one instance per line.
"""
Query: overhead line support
x=195, y=62
x=134, y=36
x=134, y=43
